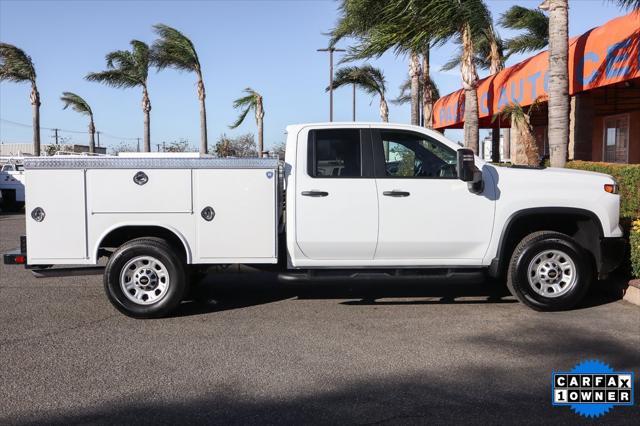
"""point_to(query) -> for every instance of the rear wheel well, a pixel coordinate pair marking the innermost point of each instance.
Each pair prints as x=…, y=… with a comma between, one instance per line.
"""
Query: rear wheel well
x=582, y=226
x=119, y=236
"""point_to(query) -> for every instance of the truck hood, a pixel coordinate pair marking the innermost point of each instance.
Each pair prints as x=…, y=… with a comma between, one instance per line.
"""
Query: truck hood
x=553, y=175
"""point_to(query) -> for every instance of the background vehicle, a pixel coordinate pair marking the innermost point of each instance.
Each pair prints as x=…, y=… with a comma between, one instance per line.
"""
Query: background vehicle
x=362, y=200
x=11, y=183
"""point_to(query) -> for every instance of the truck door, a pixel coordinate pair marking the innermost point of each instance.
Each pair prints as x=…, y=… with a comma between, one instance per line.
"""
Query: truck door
x=426, y=212
x=336, y=197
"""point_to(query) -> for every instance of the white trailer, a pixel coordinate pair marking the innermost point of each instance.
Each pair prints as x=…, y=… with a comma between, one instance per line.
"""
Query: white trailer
x=362, y=200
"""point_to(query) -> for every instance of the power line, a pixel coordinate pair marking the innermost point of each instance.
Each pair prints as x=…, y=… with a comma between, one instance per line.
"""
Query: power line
x=15, y=123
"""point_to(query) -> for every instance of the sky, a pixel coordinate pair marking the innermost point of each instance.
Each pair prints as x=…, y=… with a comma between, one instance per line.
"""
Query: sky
x=267, y=45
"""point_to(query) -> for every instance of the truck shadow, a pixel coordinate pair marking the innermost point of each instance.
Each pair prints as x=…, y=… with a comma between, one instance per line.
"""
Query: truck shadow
x=492, y=390
x=223, y=292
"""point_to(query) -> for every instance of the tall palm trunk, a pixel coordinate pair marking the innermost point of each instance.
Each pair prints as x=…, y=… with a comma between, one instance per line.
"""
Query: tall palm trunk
x=203, y=115
x=146, y=108
x=527, y=147
x=469, y=83
x=427, y=91
x=35, y=105
x=92, y=132
x=384, y=109
x=558, y=132
x=260, y=122
x=496, y=65
x=414, y=74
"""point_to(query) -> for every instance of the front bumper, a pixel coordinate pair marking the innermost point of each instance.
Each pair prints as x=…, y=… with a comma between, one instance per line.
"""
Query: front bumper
x=612, y=251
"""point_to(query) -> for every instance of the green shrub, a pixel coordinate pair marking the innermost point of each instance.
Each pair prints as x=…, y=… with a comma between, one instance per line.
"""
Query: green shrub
x=634, y=242
x=627, y=176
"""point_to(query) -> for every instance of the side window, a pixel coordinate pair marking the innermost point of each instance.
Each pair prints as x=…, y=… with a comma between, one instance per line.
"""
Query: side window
x=336, y=153
x=411, y=155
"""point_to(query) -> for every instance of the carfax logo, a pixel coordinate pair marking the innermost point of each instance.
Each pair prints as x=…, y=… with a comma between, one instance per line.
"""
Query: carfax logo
x=592, y=388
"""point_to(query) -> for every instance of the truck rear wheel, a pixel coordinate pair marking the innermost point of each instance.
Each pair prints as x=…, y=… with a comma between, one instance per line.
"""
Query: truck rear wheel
x=145, y=278
x=549, y=271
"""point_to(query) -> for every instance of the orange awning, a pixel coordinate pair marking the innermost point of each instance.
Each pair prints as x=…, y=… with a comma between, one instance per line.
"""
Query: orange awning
x=604, y=55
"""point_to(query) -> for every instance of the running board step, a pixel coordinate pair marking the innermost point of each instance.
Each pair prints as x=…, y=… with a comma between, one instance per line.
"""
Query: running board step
x=385, y=274
x=67, y=272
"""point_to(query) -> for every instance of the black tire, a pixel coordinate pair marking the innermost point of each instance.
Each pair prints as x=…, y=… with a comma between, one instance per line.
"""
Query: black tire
x=528, y=289
x=174, y=267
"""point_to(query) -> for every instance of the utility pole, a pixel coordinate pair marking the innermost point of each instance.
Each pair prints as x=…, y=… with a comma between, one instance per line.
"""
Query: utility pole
x=55, y=135
x=138, y=139
x=354, y=101
x=158, y=147
x=98, y=132
x=330, y=50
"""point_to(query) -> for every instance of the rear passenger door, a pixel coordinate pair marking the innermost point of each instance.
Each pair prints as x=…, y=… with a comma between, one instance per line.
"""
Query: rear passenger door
x=336, y=197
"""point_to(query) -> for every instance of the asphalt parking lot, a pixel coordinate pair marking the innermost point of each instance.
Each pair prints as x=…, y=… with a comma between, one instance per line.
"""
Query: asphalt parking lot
x=253, y=350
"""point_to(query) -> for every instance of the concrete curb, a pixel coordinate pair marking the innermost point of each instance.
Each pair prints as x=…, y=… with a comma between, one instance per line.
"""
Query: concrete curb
x=632, y=293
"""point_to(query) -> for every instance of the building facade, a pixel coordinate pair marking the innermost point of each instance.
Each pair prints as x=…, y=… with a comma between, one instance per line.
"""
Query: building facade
x=604, y=85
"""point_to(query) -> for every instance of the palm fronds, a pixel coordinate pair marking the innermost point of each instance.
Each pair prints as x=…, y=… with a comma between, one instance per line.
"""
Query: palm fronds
x=125, y=68
x=76, y=103
x=15, y=64
x=482, y=47
x=404, y=96
x=535, y=26
x=173, y=49
x=368, y=78
x=628, y=4
x=251, y=101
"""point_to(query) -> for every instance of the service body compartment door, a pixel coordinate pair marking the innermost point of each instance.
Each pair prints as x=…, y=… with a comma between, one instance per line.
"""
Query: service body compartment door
x=139, y=190
x=235, y=213
x=61, y=236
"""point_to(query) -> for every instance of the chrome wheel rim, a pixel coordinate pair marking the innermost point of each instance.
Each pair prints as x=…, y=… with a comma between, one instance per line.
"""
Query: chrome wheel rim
x=552, y=273
x=144, y=280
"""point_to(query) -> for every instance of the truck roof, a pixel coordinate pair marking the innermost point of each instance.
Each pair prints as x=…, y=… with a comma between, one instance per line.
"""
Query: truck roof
x=374, y=124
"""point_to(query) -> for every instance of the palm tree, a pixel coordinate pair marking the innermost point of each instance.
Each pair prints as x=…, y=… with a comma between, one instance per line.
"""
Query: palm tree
x=489, y=55
x=534, y=25
x=489, y=52
x=558, y=132
x=251, y=101
x=440, y=21
x=527, y=147
x=362, y=19
x=368, y=78
x=129, y=69
x=80, y=105
x=174, y=50
x=404, y=97
x=17, y=66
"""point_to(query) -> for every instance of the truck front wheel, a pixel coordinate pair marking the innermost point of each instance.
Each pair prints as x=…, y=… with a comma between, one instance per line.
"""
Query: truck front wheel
x=144, y=278
x=549, y=271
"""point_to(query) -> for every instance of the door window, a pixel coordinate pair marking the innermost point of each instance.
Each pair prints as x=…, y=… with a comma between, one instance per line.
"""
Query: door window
x=336, y=153
x=412, y=155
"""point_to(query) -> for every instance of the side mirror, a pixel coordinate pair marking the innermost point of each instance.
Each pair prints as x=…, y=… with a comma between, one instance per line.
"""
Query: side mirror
x=468, y=172
x=466, y=165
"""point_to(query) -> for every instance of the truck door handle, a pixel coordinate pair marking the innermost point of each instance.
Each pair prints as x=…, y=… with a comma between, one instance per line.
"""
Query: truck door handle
x=315, y=193
x=396, y=193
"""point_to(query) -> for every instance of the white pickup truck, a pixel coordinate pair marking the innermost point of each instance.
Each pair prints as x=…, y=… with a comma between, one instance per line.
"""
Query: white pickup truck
x=350, y=200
